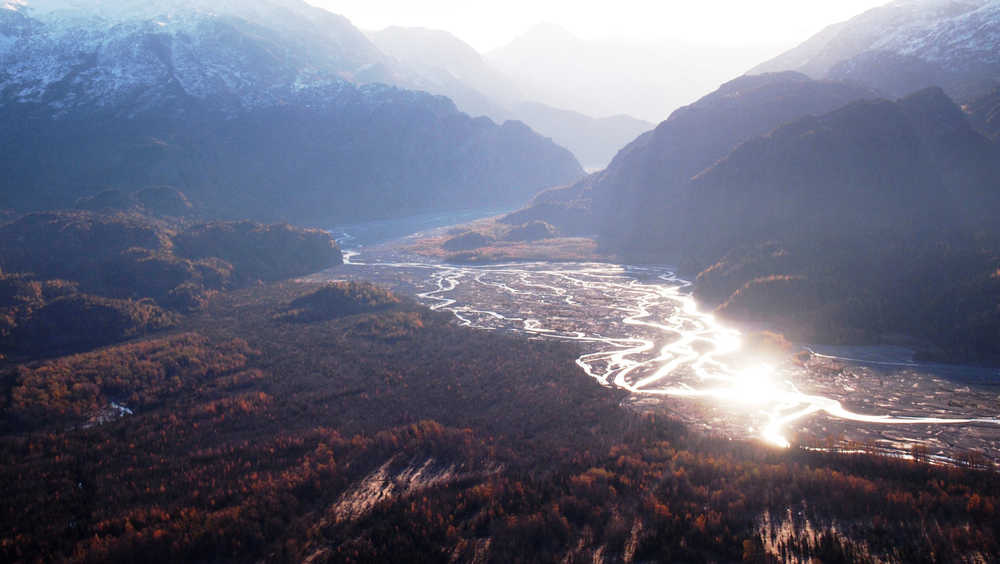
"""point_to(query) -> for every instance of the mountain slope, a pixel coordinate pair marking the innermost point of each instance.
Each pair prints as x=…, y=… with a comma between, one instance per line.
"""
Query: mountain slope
x=875, y=220
x=867, y=169
x=905, y=46
x=866, y=220
x=594, y=141
x=448, y=66
x=984, y=112
x=631, y=195
x=245, y=107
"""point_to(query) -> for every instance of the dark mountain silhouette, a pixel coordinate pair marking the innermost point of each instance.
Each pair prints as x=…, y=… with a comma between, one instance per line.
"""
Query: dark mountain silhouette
x=873, y=220
x=849, y=225
x=628, y=199
x=984, y=113
x=869, y=168
x=446, y=65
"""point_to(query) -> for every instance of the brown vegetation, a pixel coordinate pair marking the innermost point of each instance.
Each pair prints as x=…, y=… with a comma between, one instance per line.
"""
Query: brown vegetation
x=253, y=439
x=338, y=299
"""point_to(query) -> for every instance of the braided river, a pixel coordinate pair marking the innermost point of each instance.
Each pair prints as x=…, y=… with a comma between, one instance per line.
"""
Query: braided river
x=639, y=329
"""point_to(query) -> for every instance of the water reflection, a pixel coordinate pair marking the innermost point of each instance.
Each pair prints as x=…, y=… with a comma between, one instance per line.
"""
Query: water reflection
x=641, y=331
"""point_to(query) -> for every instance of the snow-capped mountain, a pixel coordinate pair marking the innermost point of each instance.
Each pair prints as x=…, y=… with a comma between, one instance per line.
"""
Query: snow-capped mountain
x=262, y=108
x=67, y=53
x=907, y=45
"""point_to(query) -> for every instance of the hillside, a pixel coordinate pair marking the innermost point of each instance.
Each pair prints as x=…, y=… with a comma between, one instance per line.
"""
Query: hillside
x=624, y=203
x=235, y=104
x=905, y=46
x=75, y=280
x=878, y=218
x=856, y=225
x=446, y=65
x=594, y=141
x=869, y=167
x=984, y=113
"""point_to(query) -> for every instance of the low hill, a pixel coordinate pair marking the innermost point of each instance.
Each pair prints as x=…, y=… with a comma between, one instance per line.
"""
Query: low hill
x=73, y=280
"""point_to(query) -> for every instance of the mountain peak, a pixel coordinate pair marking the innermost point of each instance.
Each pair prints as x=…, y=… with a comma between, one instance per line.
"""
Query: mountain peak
x=931, y=99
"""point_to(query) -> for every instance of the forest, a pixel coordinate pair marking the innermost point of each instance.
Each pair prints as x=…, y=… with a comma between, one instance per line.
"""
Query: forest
x=75, y=279
x=380, y=431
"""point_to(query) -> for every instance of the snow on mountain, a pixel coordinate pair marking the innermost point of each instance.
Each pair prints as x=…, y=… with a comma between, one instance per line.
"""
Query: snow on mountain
x=907, y=45
x=67, y=53
x=941, y=31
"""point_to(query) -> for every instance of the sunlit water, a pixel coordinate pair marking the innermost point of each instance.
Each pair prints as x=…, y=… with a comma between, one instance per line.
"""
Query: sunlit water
x=641, y=331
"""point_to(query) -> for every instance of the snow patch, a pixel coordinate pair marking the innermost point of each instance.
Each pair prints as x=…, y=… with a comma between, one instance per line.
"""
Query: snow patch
x=946, y=32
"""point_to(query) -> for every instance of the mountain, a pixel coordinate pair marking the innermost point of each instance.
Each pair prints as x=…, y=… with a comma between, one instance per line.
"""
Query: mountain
x=813, y=206
x=873, y=220
x=870, y=169
x=594, y=141
x=609, y=77
x=448, y=66
x=246, y=107
x=905, y=46
x=625, y=203
x=984, y=112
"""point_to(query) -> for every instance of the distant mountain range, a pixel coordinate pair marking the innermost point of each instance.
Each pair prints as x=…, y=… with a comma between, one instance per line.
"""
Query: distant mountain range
x=446, y=65
x=600, y=77
x=905, y=46
x=245, y=106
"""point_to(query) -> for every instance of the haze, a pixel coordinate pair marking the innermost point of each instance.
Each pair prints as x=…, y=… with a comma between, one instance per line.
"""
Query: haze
x=640, y=59
x=487, y=26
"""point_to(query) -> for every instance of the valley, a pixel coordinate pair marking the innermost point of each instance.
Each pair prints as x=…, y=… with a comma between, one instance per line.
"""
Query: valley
x=640, y=330
x=280, y=284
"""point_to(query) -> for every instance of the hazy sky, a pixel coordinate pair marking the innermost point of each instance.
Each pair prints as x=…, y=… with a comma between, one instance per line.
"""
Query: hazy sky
x=488, y=25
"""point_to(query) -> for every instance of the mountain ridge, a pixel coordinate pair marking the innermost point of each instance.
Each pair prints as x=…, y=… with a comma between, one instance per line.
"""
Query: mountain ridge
x=905, y=46
x=447, y=65
x=233, y=112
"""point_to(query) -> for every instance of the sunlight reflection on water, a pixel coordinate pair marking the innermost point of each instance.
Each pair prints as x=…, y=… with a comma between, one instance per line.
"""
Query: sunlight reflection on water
x=641, y=331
